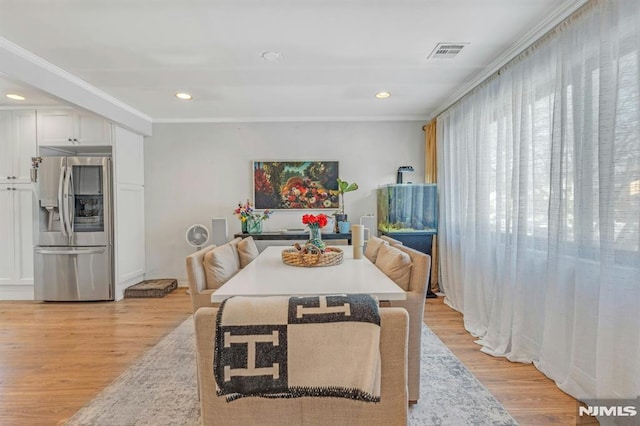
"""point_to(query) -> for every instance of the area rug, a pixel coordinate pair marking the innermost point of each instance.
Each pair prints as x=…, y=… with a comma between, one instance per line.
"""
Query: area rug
x=160, y=389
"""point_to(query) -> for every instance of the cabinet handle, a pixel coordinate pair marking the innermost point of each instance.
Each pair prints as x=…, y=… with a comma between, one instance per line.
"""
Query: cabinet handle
x=13, y=189
x=70, y=140
x=8, y=189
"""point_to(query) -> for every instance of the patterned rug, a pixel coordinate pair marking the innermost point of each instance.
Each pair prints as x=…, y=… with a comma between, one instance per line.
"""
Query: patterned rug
x=160, y=389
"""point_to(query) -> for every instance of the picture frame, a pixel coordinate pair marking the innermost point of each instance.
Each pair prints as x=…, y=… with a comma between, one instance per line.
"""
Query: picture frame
x=295, y=185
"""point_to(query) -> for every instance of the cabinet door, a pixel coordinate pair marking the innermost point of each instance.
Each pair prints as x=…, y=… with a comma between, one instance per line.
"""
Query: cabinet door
x=16, y=234
x=24, y=133
x=92, y=130
x=67, y=127
x=17, y=145
x=129, y=238
x=6, y=147
x=7, y=250
x=23, y=233
x=56, y=127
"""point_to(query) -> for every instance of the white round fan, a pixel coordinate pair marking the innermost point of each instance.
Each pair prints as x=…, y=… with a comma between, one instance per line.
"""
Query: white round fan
x=197, y=235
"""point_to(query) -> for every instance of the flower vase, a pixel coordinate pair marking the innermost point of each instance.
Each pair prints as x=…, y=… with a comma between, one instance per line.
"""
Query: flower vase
x=315, y=237
x=244, y=226
x=254, y=226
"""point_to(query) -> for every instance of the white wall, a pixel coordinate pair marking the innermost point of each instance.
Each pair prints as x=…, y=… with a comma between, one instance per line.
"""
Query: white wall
x=194, y=172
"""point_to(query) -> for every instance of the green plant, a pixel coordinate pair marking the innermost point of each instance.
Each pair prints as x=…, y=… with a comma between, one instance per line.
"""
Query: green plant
x=344, y=186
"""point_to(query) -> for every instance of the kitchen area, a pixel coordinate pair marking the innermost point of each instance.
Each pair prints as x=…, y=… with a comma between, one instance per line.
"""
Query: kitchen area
x=71, y=206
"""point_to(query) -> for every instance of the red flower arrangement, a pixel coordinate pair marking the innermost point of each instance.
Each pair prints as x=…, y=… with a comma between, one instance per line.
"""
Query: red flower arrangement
x=319, y=221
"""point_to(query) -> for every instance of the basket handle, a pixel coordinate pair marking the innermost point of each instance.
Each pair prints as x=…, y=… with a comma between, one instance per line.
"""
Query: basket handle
x=311, y=246
x=316, y=256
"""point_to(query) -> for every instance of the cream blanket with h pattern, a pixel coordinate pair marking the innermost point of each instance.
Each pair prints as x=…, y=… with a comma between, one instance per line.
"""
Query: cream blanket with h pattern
x=288, y=347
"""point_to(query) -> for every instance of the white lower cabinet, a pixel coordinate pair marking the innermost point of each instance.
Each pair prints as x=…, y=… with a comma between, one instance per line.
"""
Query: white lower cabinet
x=129, y=209
x=16, y=242
x=129, y=237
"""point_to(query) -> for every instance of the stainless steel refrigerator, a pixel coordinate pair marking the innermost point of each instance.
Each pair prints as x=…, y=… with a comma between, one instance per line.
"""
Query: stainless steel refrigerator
x=73, y=219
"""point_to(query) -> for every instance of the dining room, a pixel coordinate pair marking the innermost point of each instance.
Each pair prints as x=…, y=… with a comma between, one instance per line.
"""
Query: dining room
x=525, y=115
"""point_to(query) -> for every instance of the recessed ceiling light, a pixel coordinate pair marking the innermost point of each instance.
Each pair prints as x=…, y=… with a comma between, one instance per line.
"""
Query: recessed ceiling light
x=15, y=97
x=383, y=95
x=271, y=56
x=184, y=96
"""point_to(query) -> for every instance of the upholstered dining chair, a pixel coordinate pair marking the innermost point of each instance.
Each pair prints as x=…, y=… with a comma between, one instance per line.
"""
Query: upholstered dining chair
x=391, y=410
x=198, y=290
x=212, y=266
x=409, y=268
x=390, y=240
x=373, y=245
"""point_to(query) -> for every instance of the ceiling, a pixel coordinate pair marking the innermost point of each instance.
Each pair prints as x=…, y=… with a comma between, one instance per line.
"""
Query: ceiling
x=33, y=97
x=335, y=54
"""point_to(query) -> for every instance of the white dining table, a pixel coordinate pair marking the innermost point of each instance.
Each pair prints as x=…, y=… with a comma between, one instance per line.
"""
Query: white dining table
x=268, y=275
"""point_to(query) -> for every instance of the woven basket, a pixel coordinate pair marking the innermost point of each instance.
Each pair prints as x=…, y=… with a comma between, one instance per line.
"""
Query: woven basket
x=293, y=257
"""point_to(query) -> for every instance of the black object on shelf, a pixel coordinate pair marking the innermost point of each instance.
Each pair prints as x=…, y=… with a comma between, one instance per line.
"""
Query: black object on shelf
x=279, y=236
x=401, y=170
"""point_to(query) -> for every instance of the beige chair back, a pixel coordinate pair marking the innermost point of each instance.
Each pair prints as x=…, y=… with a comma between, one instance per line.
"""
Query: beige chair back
x=391, y=241
x=197, y=279
x=391, y=410
x=414, y=304
x=198, y=287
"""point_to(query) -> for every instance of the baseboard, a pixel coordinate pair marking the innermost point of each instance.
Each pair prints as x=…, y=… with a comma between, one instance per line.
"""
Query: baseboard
x=131, y=280
x=16, y=292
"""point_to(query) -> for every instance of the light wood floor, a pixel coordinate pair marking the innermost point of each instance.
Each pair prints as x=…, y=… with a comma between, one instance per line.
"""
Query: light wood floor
x=55, y=357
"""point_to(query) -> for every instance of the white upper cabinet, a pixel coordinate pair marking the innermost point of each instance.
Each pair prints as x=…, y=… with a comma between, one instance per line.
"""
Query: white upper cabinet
x=17, y=145
x=67, y=127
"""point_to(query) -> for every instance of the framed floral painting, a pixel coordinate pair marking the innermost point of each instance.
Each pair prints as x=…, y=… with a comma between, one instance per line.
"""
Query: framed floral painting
x=295, y=184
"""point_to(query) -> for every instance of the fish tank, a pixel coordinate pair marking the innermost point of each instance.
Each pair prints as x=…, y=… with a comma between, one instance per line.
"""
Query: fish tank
x=407, y=208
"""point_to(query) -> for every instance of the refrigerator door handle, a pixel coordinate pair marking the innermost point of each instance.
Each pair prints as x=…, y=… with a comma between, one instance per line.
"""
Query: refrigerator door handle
x=66, y=206
x=78, y=251
x=61, y=201
x=71, y=191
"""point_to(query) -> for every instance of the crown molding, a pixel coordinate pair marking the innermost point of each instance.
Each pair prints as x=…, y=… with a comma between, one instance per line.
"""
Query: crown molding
x=24, y=67
x=546, y=25
x=287, y=119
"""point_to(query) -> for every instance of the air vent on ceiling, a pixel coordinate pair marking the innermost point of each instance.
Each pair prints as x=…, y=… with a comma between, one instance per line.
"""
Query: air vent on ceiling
x=446, y=50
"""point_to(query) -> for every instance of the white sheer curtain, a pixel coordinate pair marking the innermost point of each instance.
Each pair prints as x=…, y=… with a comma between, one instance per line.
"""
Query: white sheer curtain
x=539, y=181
